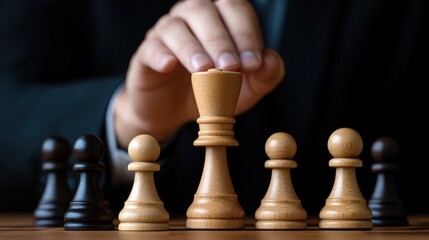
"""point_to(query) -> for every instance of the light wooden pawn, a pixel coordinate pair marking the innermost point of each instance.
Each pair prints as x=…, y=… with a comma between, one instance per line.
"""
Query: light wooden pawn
x=345, y=208
x=281, y=208
x=143, y=210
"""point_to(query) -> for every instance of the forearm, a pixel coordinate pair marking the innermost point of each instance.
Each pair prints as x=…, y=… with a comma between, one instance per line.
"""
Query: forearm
x=32, y=112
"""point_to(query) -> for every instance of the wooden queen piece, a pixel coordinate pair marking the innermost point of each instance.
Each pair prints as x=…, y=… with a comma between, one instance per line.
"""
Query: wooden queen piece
x=215, y=204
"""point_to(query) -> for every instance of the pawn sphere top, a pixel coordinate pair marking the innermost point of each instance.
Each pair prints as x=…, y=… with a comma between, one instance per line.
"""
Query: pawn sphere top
x=88, y=148
x=384, y=149
x=144, y=148
x=280, y=145
x=345, y=143
x=56, y=149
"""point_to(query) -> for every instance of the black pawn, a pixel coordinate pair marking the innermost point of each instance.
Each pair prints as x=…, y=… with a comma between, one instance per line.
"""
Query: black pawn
x=57, y=194
x=386, y=206
x=88, y=210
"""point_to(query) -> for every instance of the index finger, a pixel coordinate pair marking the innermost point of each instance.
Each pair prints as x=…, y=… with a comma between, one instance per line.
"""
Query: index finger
x=205, y=23
x=242, y=23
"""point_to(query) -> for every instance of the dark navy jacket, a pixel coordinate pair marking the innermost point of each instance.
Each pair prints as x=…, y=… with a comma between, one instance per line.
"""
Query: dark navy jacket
x=348, y=64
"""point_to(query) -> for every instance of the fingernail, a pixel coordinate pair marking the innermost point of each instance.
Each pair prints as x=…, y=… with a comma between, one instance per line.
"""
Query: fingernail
x=199, y=61
x=227, y=59
x=249, y=59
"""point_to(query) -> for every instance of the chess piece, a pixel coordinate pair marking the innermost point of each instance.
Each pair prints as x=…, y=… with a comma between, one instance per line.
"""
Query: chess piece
x=215, y=204
x=88, y=209
x=143, y=209
x=56, y=194
x=386, y=206
x=281, y=208
x=345, y=208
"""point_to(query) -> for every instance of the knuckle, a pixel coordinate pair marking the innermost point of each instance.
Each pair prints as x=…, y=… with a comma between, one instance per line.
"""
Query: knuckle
x=244, y=36
x=150, y=34
x=230, y=3
x=188, y=49
x=189, y=7
x=166, y=22
x=216, y=39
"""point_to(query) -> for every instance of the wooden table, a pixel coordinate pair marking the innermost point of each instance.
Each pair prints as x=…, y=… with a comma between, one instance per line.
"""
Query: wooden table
x=19, y=226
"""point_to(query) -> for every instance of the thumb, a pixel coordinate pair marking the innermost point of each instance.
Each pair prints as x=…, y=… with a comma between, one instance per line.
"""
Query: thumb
x=258, y=84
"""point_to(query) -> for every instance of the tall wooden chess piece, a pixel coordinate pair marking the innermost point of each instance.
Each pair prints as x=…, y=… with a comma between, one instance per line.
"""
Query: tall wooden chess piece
x=385, y=203
x=143, y=210
x=281, y=208
x=215, y=204
x=57, y=194
x=88, y=210
x=345, y=207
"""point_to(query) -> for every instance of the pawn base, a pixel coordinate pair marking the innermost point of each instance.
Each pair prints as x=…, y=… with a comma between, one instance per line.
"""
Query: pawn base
x=128, y=226
x=49, y=222
x=85, y=226
x=346, y=224
x=390, y=222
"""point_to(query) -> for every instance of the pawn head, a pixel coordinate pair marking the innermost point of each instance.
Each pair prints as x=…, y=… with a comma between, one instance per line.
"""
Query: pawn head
x=56, y=149
x=88, y=148
x=384, y=149
x=280, y=145
x=144, y=148
x=345, y=143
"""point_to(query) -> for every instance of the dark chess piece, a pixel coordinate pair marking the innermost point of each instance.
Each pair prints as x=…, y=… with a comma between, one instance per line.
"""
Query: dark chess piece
x=89, y=210
x=385, y=203
x=57, y=194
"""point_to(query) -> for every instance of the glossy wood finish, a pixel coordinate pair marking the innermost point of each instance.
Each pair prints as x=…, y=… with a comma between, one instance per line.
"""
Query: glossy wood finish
x=215, y=204
x=143, y=210
x=345, y=207
x=281, y=208
x=89, y=209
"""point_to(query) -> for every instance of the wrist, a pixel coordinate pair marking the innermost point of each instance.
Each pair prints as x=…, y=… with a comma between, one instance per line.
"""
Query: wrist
x=128, y=123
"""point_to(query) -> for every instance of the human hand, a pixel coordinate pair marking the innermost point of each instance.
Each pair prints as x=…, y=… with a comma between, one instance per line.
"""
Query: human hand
x=195, y=35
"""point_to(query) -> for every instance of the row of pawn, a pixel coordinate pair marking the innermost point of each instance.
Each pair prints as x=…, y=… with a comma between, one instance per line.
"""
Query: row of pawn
x=345, y=207
x=280, y=208
x=88, y=209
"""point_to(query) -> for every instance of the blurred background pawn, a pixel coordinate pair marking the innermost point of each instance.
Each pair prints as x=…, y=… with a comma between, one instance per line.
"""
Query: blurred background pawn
x=385, y=203
x=56, y=194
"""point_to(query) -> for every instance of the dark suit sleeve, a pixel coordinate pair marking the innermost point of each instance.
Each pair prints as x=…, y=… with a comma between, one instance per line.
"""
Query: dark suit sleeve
x=47, y=87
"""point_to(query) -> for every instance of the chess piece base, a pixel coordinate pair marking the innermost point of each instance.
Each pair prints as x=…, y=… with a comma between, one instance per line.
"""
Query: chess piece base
x=214, y=223
x=49, y=222
x=390, y=222
x=124, y=226
x=345, y=224
x=95, y=226
x=281, y=225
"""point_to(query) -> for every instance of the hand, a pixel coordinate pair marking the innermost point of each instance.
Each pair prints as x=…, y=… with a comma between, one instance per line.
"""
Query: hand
x=195, y=35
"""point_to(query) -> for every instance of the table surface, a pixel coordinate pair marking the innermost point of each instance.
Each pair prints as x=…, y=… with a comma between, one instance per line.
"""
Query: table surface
x=19, y=226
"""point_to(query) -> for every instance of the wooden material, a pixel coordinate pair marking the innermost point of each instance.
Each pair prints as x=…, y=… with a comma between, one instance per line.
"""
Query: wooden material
x=88, y=210
x=345, y=207
x=143, y=210
x=18, y=227
x=385, y=203
x=57, y=193
x=281, y=208
x=215, y=204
